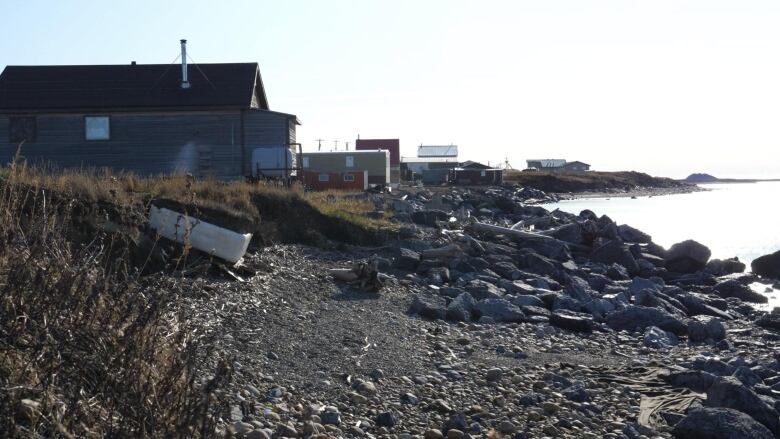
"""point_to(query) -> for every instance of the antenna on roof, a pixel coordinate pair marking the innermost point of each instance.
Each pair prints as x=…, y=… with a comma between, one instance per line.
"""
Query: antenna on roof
x=184, y=82
x=336, y=145
x=319, y=144
x=346, y=146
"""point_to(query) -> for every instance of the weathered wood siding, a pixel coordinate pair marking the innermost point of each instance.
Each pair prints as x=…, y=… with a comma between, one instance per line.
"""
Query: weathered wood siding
x=205, y=143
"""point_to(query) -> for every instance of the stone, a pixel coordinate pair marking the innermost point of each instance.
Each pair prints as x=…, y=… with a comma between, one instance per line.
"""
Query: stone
x=696, y=380
x=494, y=374
x=724, y=267
x=461, y=308
x=769, y=321
x=527, y=300
x=630, y=234
x=734, y=288
x=366, y=388
x=638, y=318
x=579, y=289
x=747, y=376
x=711, y=329
x=499, y=310
x=257, y=434
x=432, y=307
x=406, y=260
x=285, y=430
x=433, y=434
x=687, y=257
x=572, y=321
x=506, y=427
x=719, y=423
x=571, y=232
x=577, y=393
x=330, y=418
x=455, y=434
x=613, y=252
x=409, y=398
x=657, y=338
x=729, y=392
x=480, y=290
x=767, y=265
x=429, y=217
x=617, y=272
x=386, y=419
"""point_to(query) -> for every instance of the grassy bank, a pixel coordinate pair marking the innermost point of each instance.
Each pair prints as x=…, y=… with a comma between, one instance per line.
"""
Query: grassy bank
x=90, y=347
x=589, y=181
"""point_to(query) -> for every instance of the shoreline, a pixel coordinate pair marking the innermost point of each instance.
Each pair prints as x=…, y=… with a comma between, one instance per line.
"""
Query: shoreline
x=633, y=193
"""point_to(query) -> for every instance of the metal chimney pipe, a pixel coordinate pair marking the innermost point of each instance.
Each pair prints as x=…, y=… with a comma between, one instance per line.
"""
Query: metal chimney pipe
x=184, y=82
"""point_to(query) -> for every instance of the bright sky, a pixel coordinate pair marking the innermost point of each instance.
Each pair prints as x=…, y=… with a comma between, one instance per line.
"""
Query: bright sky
x=668, y=87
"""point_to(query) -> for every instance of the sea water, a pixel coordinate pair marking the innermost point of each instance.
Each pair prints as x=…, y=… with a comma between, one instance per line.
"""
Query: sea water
x=734, y=219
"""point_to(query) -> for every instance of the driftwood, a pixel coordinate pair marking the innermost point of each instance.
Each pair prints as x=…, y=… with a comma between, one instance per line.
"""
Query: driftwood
x=447, y=251
x=364, y=275
x=498, y=230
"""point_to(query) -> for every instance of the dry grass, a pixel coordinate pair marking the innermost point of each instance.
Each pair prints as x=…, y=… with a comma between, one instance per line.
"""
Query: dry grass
x=86, y=349
x=587, y=181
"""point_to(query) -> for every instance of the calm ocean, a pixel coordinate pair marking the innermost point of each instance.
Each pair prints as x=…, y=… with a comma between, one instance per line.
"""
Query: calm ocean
x=736, y=219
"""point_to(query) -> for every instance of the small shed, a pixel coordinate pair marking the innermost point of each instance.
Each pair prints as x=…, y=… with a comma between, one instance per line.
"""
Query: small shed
x=391, y=145
x=576, y=166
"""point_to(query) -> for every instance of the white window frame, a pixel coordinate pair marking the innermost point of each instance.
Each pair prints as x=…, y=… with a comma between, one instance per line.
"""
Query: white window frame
x=350, y=161
x=482, y=173
x=97, y=135
x=349, y=177
x=324, y=177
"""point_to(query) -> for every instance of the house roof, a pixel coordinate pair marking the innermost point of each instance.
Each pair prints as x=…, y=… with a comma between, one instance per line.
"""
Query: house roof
x=131, y=86
x=548, y=163
x=470, y=164
x=576, y=162
x=437, y=151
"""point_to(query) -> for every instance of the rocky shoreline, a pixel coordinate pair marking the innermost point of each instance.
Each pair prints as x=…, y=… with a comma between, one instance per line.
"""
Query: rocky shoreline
x=577, y=327
x=633, y=193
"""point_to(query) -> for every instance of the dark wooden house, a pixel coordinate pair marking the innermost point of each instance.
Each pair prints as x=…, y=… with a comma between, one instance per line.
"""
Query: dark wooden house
x=204, y=119
x=474, y=173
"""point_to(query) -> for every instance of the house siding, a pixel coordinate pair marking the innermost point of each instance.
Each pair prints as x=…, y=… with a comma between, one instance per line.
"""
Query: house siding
x=203, y=143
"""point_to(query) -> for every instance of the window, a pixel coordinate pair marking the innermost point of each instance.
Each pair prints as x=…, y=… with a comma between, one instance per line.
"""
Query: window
x=305, y=162
x=482, y=173
x=350, y=161
x=349, y=177
x=324, y=177
x=97, y=128
x=21, y=129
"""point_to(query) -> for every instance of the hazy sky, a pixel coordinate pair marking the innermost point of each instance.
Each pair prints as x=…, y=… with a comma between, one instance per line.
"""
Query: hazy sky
x=667, y=87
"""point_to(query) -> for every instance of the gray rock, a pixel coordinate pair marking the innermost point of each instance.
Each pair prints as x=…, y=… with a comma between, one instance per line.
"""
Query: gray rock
x=696, y=380
x=697, y=306
x=639, y=284
x=702, y=331
x=461, y=308
x=734, y=288
x=657, y=338
x=729, y=392
x=637, y=318
x=747, y=377
x=406, y=260
x=527, y=300
x=723, y=267
x=429, y=217
x=432, y=307
x=579, y=289
x=494, y=374
x=767, y=265
x=617, y=272
x=572, y=321
x=386, y=419
x=480, y=290
x=613, y=252
x=567, y=303
x=499, y=310
x=330, y=418
x=769, y=321
x=571, y=232
x=719, y=423
x=630, y=234
x=712, y=365
x=687, y=257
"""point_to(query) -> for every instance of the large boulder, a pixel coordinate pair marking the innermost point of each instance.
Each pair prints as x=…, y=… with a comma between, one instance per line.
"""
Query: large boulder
x=461, y=308
x=406, y=260
x=573, y=321
x=481, y=289
x=638, y=318
x=719, y=423
x=687, y=257
x=724, y=267
x=729, y=392
x=499, y=310
x=432, y=307
x=657, y=338
x=735, y=288
x=769, y=321
x=767, y=265
x=579, y=289
x=630, y=234
x=571, y=233
x=711, y=330
x=614, y=252
x=697, y=305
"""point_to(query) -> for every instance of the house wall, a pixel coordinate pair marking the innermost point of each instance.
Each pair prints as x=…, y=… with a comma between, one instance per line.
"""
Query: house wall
x=203, y=143
x=377, y=163
x=266, y=129
x=336, y=180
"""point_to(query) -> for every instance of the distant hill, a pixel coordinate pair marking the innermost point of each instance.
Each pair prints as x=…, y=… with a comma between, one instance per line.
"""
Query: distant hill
x=592, y=181
x=700, y=178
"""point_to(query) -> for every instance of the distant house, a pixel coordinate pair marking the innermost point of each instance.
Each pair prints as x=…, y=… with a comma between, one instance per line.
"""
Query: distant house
x=376, y=163
x=203, y=119
x=434, y=160
x=557, y=165
x=475, y=173
x=391, y=145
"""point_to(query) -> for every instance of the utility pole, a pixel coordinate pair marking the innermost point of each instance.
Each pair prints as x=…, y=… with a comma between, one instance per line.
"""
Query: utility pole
x=335, y=145
x=319, y=144
x=347, y=146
